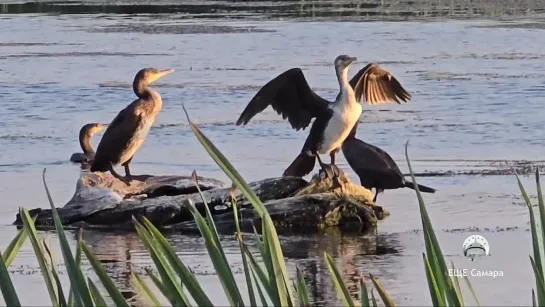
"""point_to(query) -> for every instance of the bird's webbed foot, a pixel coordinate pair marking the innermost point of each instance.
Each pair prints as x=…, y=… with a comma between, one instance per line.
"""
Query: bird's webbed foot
x=331, y=171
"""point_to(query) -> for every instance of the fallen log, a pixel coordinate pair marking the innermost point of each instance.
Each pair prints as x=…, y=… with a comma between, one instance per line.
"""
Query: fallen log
x=104, y=202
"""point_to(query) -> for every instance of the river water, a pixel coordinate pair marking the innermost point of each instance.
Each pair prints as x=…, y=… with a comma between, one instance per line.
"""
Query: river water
x=478, y=90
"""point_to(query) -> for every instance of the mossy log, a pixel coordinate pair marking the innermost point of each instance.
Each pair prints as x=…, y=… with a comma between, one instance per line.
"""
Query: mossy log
x=296, y=205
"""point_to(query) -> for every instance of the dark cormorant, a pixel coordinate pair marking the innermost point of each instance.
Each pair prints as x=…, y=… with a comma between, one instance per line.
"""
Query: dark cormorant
x=129, y=129
x=85, y=134
x=375, y=167
x=290, y=95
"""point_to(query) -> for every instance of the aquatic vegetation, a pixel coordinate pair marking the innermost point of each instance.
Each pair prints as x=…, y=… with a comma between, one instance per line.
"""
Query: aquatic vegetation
x=267, y=283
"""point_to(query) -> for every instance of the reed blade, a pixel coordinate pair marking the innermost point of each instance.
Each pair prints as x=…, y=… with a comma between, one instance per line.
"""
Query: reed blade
x=6, y=286
x=28, y=223
x=383, y=295
x=97, y=297
x=15, y=245
x=146, y=290
x=77, y=281
x=364, y=296
x=286, y=297
x=106, y=281
x=49, y=251
x=338, y=281
x=174, y=291
x=71, y=297
x=301, y=287
x=188, y=278
x=433, y=249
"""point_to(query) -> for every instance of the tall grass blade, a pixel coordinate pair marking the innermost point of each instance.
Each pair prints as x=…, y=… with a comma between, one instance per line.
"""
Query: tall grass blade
x=262, y=277
x=144, y=289
x=373, y=299
x=433, y=250
x=541, y=207
x=220, y=265
x=539, y=278
x=6, y=286
x=28, y=223
x=338, y=281
x=383, y=295
x=157, y=282
x=71, y=297
x=245, y=260
x=456, y=280
x=188, y=279
x=174, y=291
x=472, y=291
x=97, y=297
x=259, y=290
x=81, y=291
x=107, y=282
x=15, y=245
x=284, y=293
x=436, y=295
x=535, y=242
x=364, y=296
x=534, y=303
x=262, y=243
x=49, y=251
x=234, y=291
x=301, y=286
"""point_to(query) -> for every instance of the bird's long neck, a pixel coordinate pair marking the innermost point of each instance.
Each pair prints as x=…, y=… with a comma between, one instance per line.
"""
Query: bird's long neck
x=141, y=89
x=85, y=142
x=152, y=98
x=345, y=87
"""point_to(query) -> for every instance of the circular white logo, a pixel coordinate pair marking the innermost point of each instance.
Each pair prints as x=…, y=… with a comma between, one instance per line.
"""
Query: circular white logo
x=476, y=246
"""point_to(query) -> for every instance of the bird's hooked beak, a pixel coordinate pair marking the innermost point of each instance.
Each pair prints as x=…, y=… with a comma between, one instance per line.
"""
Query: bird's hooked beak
x=352, y=59
x=163, y=73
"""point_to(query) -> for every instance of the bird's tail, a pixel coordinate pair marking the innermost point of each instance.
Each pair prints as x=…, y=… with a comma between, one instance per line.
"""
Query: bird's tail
x=422, y=188
x=301, y=166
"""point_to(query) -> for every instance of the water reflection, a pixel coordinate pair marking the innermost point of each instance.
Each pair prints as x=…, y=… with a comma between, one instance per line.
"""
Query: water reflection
x=122, y=253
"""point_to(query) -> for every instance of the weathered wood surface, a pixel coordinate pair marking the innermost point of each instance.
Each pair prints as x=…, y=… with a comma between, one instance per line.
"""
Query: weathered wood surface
x=102, y=201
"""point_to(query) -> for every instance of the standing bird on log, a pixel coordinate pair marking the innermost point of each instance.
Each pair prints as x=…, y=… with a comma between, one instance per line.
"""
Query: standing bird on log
x=129, y=129
x=375, y=167
x=85, y=134
x=290, y=95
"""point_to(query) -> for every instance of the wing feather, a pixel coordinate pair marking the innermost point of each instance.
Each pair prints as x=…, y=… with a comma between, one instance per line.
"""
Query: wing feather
x=290, y=96
x=377, y=85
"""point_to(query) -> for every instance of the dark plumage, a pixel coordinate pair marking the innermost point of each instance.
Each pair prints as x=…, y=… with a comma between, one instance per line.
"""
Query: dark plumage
x=127, y=132
x=375, y=167
x=85, y=134
x=291, y=97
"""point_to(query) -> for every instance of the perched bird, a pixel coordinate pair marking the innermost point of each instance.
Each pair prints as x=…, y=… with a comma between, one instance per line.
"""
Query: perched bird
x=290, y=96
x=85, y=134
x=129, y=129
x=375, y=167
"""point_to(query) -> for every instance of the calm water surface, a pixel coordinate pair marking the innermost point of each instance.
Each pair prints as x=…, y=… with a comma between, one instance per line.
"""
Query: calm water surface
x=478, y=95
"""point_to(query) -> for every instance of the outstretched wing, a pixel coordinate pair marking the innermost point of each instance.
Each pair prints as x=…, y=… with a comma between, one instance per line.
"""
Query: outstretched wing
x=116, y=139
x=376, y=85
x=290, y=96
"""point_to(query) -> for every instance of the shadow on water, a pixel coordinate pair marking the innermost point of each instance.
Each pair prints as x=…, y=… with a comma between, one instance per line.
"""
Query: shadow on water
x=329, y=9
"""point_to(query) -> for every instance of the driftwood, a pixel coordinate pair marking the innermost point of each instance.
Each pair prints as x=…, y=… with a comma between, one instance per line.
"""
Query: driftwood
x=102, y=201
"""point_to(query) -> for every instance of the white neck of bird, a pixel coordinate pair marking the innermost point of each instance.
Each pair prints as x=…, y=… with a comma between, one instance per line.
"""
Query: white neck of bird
x=342, y=77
